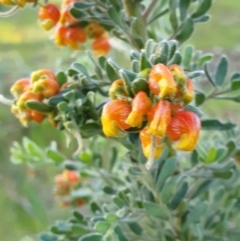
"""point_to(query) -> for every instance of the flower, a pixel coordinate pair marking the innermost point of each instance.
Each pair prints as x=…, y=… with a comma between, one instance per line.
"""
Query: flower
x=42, y=74
x=141, y=105
x=101, y=46
x=113, y=117
x=49, y=15
x=117, y=90
x=19, y=87
x=185, y=128
x=159, y=117
x=161, y=81
x=188, y=93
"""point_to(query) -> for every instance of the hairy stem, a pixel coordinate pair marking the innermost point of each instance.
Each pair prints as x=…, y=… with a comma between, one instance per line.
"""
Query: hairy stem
x=5, y=101
x=149, y=9
x=9, y=12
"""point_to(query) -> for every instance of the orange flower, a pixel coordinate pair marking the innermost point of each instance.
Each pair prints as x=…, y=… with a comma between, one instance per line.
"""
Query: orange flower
x=113, y=117
x=61, y=182
x=25, y=97
x=19, y=87
x=46, y=87
x=117, y=90
x=101, y=46
x=66, y=18
x=49, y=16
x=161, y=81
x=185, y=128
x=35, y=116
x=42, y=74
x=75, y=37
x=178, y=74
x=146, y=139
x=60, y=36
x=175, y=108
x=188, y=93
x=95, y=30
x=70, y=176
x=159, y=117
x=141, y=105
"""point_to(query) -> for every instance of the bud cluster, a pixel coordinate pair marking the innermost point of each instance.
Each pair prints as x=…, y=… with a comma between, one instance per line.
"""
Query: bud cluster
x=153, y=105
x=68, y=31
x=40, y=86
x=64, y=184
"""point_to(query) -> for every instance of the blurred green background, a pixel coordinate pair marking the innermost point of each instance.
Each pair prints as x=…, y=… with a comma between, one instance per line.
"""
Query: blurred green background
x=26, y=201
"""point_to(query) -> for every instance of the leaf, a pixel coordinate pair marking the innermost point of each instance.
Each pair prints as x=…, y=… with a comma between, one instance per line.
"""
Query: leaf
x=205, y=58
x=176, y=59
x=178, y=197
x=109, y=190
x=166, y=171
x=208, y=75
x=235, y=85
x=120, y=234
x=199, y=98
x=61, y=78
x=194, y=109
x=102, y=226
x=187, y=56
x=118, y=201
x=172, y=48
x=39, y=106
x=201, y=188
x=223, y=175
x=155, y=210
x=195, y=74
x=185, y=31
x=112, y=70
x=173, y=14
x=33, y=149
x=81, y=5
x=221, y=71
x=211, y=157
x=212, y=124
x=136, y=228
x=48, y=237
x=183, y=6
x=144, y=63
x=111, y=217
x=201, y=19
x=55, y=156
x=203, y=7
x=81, y=69
x=194, y=157
x=91, y=237
x=197, y=212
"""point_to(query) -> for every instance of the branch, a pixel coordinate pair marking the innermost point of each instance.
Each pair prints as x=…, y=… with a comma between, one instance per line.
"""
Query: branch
x=9, y=13
x=149, y=9
x=5, y=101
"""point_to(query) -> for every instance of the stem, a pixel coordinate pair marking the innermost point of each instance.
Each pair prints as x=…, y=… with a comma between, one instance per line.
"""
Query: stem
x=9, y=12
x=152, y=152
x=149, y=10
x=5, y=101
x=133, y=9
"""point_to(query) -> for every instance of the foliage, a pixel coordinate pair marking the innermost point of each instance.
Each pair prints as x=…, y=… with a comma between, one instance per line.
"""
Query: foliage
x=183, y=196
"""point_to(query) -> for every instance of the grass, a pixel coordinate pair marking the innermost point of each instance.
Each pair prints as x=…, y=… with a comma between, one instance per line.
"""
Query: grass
x=23, y=48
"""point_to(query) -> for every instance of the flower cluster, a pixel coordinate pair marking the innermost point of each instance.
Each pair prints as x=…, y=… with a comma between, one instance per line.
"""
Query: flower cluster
x=40, y=86
x=64, y=183
x=68, y=32
x=154, y=107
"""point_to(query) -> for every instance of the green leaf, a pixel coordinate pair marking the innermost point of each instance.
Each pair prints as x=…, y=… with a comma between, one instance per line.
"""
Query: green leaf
x=201, y=19
x=205, y=58
x=120, y=234
x=136, y=228
x=234, y=98
x=223, y=175
x=221, y=71
x=109, y=190
x=167, y=170
x=95, y=207
x=197, y=212
x=91, y=237
x=39, y=106
x=144, y=63
x=61, y=78
x=235, y=85
x=194, y=109
x=235, y=76
x=176, y=59
x=195, y=74
x=173, y=14
x=118, y=201
x=155, y=210
x=201, y=188
x=187, y=57
x=217, y=125
x=111, y=217
x=128, y=78
x=82, y=5
x=81, y=69
x=203, y=7
x=161, y=53
x=179, y=196
x=211, y=157
x=112, y=70
x=185, y=31
x=102, y=226
x=183, y=6
x=208, y=75
x=172, y=48
x=199, y=98
x=194, y=157
x=48, y=237
x=55, y=156
x=33, y=149
x=76, y=13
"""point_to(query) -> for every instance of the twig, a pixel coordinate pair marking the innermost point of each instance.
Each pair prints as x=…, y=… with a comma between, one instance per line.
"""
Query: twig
x=9, y=12
x=149, y=9
x=5, y=101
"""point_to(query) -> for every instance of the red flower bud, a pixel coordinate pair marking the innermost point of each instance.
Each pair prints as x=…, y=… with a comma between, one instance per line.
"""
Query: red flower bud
x=159, y=117
x=46, y=87
x=101, y=46
x=60, y=36
x=113, y=117
x=75, y=37
x=25, y=97
x=141, y=105
x=185, y=128
x=49, y=15
x=70, y=176
x=178, y=74
x=19, y=87
x=161, y=81
x=95, y=30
